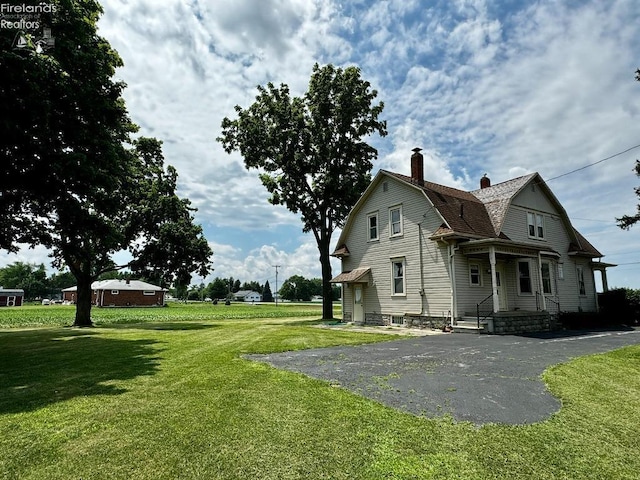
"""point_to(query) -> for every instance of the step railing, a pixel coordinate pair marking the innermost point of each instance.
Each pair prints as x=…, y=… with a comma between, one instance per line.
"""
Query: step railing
x=478, y=310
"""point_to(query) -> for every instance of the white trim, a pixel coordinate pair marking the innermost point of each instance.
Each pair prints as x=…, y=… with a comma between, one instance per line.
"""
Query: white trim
x=369, y=228
x=478, y=266
x=537, y=224
x=402, y=275
x=528, y=263
x=399, y=222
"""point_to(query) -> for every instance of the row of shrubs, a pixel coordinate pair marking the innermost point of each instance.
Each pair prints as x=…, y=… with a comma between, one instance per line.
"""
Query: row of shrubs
x=617, y=307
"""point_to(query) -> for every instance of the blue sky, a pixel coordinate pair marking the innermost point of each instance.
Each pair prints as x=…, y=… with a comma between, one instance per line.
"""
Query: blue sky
x=503, y=87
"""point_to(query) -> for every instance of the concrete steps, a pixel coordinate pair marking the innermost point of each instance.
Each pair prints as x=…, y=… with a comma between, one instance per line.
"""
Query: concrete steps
x=470, y=325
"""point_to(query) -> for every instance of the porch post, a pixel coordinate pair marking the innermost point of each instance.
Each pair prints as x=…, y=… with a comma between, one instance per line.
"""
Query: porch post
x=605, y=284
x=494, y=281
x=541, y=282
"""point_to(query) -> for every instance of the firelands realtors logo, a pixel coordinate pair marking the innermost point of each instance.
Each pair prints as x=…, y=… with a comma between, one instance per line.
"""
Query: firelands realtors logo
x=32, y=34
x=23, y=16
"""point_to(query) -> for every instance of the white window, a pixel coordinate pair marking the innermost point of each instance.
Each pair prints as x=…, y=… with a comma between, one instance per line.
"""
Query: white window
x=581, y=286
x=547, y=286
x=475, y=278
x=395, y=221
x=397, y=276
x=560, y=271
x=535, y=223
x=372, y=223
x=115, y=292
x=524, y=277
x=148, y=292
x=397, y=319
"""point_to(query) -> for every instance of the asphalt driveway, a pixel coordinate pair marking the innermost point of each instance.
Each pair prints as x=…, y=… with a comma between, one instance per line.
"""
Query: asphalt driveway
x=476, y=378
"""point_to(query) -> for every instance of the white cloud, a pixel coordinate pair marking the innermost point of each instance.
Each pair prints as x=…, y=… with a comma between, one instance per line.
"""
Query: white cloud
x=505, y=88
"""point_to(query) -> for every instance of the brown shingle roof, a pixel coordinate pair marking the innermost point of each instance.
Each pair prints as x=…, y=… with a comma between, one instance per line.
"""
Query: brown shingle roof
x=357, y=275
x=497, y=198
x=462, y=211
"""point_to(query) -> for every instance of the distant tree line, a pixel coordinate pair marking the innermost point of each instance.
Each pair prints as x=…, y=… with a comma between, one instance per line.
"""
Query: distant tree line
x=35, y=282
x=33, y=279
x=295, y=288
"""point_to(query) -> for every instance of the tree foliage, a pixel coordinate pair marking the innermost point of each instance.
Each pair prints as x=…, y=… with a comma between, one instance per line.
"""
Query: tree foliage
x=627, y=221
x=29, y=277
x=76, y=183
x=310, y=150
x=267, y=295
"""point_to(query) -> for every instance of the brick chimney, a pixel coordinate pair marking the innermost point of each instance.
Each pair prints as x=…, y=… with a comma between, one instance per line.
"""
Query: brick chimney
x=485, y=182
x=417, y=167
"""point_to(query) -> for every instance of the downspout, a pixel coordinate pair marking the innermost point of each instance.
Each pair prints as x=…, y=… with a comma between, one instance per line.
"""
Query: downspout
x=494, y=279
x=422, y=292
x=541, y=282
x=452, y=272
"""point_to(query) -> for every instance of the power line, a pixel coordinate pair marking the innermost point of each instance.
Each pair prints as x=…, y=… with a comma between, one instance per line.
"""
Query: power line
x=594, y=163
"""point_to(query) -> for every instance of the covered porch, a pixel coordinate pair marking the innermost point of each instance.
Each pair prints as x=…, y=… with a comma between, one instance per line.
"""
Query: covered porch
x=512, y=287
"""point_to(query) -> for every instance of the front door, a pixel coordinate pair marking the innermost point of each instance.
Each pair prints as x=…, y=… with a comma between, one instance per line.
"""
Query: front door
x=358, y=306
x=502, y=288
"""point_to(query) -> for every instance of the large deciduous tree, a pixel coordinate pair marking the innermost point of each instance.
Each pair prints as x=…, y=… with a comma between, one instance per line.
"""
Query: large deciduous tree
x=310, y=151
x=75, y=182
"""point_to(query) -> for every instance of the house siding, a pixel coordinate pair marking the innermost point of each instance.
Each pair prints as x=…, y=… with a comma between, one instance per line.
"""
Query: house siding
x=558, y=239
x=430, y=292
x=378, y=254
x=135, y=298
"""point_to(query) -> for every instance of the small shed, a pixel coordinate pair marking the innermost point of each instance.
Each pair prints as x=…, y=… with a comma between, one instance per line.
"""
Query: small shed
x=11, y=297
x=120, y=293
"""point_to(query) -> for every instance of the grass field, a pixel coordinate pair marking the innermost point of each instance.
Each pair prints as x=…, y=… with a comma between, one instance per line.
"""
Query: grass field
x=168, y=396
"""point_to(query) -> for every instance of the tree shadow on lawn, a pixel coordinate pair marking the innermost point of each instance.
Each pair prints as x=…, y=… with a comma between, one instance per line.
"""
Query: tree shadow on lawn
x=173, y=326
x=42, y=367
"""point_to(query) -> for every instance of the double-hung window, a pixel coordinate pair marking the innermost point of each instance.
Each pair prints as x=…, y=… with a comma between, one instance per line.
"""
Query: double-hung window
x=475, y=279
x=535, y=223
x=547, y=286
x=582, y=290
x=524, y=277
x=395, y=221
x=372, y=225
x=397, y=276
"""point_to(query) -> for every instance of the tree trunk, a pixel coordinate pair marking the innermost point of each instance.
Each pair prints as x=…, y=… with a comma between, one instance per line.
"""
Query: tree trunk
x=83, y=302
x=327, y=294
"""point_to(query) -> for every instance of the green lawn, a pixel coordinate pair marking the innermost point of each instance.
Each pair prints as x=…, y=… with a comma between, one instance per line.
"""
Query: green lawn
x=170, y=397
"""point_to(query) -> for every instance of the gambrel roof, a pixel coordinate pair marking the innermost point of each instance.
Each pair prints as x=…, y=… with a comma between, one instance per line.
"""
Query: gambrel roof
x=479, y=214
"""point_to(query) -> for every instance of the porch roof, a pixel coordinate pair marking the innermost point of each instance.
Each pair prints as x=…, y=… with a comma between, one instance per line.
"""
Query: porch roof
x=354, y=276
x=507, y=247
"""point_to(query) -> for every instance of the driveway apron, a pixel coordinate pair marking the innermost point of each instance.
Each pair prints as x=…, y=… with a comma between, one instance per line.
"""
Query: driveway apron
x=476, y=378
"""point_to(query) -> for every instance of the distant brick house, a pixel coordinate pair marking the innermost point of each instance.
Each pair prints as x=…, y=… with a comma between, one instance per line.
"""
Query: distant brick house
x=11, y=297
x=120, y=293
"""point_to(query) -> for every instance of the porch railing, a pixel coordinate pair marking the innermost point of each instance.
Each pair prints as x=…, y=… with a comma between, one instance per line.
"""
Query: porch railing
x=548, y=298
x=478, y=309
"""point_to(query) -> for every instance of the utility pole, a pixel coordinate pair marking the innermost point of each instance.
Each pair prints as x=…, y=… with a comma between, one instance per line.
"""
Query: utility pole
x=276, y=292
